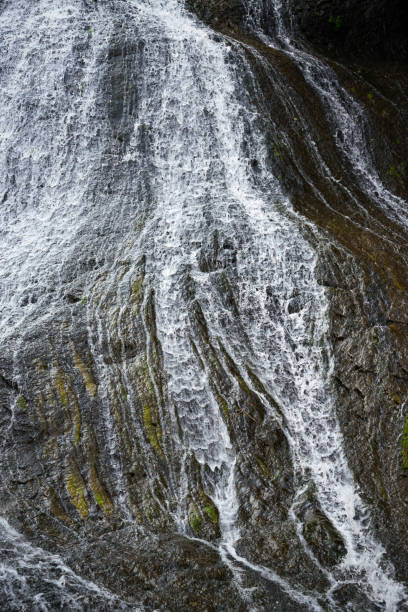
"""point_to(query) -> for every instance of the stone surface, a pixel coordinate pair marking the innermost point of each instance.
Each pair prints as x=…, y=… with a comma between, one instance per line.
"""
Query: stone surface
x=76, y=443
x=357, y=29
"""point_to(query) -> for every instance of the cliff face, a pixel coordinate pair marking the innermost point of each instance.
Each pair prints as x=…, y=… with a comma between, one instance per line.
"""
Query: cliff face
x=206, y=248
x=368, y=302
x=359, y=31
x=352, y=30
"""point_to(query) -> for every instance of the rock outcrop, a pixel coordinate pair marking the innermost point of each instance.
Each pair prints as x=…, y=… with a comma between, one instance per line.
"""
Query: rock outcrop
x=354, y=29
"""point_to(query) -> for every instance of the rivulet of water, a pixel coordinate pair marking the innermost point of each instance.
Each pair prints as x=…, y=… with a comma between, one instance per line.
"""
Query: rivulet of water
x=315, y=434
x=203, y=183
x=345, y=113
x=32, y=579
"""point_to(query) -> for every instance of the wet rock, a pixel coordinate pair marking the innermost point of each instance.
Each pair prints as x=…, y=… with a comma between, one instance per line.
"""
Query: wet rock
x=354, y=29
x=218, y=13
x=321, y=536
x=91, y=438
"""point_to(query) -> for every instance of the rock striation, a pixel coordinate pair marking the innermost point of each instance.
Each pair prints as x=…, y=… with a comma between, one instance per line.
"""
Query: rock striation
x=219, y=254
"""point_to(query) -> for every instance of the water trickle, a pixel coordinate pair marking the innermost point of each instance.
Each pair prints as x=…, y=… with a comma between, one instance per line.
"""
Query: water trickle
x=31, y=578
x=345, y=113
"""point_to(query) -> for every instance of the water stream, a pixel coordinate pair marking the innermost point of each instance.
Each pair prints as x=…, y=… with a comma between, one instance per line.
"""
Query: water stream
x=196, y=134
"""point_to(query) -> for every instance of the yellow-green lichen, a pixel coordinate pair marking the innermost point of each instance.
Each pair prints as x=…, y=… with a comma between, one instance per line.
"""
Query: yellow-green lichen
x=60, y=385
x=101, y=497
x=21, y=402
x=136, y=293
x=87, y=375
x=153, y=429
x=149, y=408
x=123, y=391
x=77, y=491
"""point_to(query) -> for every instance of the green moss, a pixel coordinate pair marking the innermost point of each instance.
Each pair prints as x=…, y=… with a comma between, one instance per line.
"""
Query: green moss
x=101, y=497
x=21, y=403
x=149, y=408
x=398, y=172
x=123, y=391
x=153, y=430
x=277, y=153
x=77, y=421
x=77, y=491
x=397, y=399
x=137, y=293
x=60, y=385
x=195, y=519
x=212, y=512
x=336, y=21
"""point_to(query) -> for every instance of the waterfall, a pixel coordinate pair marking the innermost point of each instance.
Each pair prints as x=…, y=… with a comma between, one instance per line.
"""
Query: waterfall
x=205, y=183
x=190, y=162
x=347, y=115
x=31, y=578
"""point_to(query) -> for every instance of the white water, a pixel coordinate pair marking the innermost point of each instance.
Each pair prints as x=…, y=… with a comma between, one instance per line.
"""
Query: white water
x=315, y=433
x=197, y=117
x=204, y=183
x=33, y=579
x=345, y=113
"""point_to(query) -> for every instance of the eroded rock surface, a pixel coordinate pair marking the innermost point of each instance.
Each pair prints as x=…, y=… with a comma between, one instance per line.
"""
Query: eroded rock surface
x=127, y=339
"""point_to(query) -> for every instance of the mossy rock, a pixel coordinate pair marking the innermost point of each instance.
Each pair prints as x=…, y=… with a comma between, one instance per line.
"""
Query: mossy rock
x=195, y=520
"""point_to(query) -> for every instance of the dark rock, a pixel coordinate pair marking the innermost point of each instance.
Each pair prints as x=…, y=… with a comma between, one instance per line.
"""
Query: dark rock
x=354, y=29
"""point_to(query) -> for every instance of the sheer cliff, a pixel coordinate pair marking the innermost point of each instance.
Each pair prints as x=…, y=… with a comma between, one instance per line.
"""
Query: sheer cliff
x=204, y=321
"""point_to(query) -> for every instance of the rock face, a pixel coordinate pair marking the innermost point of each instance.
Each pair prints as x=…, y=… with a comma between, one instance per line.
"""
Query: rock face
x=224, y=13
x=204, y=320
x=359, y=30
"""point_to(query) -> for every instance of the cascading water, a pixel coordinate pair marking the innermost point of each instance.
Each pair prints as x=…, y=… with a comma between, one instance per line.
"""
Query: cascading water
x=284, y=262
x=194, y=165
x=315, y=434
x=33, y=579
x=350, y=124
x=205, y=184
